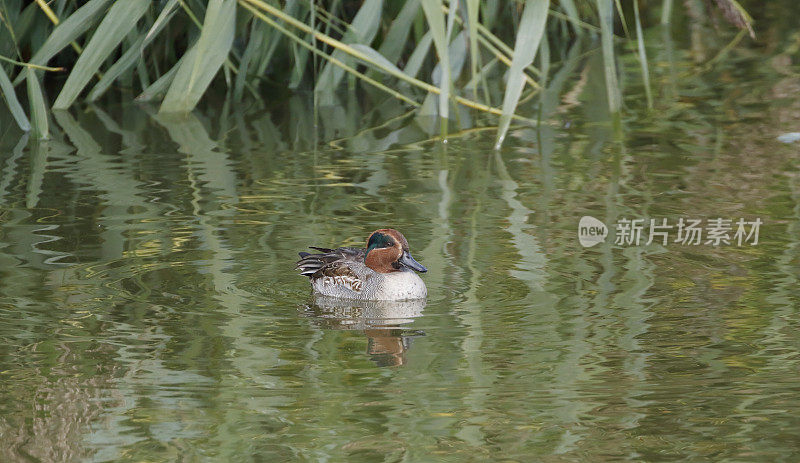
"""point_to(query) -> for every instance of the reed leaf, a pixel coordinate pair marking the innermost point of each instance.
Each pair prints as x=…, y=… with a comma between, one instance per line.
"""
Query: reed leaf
x=376, y=59
x=473, y=7
x=451, y=18
x=489, y=40
x=457, y=57
x=622, y=19
x=606, y=13
x=362, y=30
x=300, y=54
x=41, y=126
x=128, y=59
x=482, y=73
x=544, y=60
x=529, y=35
x=209, y=54
x=572, y=13
x=160, y=86
x=417, y=57
x=436, y=23
x=300, y=59
x=336, y=62
x=642, y=56
x=255, y=41
x=574, y=22
x=161, y=22
x=12, y=102
x=134, y=52
x=454, y=69
x=66, y=32
x=395, y=40
x=275, y=48
x=666, y=12
x=120, y=19
x=255, y=5
x=500, y=49
x=23, y=25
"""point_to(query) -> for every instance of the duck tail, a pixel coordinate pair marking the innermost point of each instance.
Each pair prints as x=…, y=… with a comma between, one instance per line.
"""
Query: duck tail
x=309, y=263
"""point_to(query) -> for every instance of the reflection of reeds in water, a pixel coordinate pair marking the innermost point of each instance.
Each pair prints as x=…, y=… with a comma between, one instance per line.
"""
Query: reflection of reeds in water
x=63, y=404
x=136, y=236
x=381, y=322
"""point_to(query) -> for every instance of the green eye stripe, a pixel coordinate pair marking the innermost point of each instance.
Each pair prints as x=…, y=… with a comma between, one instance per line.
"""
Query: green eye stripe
x=379, y=240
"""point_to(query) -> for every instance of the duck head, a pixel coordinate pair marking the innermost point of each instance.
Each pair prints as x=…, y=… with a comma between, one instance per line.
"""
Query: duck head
x=387, y=252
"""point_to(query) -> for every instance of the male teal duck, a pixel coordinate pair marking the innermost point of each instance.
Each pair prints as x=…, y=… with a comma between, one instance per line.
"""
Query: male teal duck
x=384, y=271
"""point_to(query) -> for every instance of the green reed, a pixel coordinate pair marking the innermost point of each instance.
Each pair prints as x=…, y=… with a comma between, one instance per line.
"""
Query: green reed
x=434, y=55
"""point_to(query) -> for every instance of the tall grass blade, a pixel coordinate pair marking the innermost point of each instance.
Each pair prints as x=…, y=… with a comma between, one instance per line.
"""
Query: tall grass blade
x=489, y=10
x=210, y=52
x=41, y=126
x=352, y=51
x=396, y=39
x=451, y=18
x=161, y=22
x=66, y=32
x=160, y=86
x=572, y=13
x=22, y=25
x=666, y=11
x=300, y=54
x=643, y=56
x=120, y=19
x=13, y=103
x=457, y=57
x=622, y=19
x=255, y=5
x=529, y=35
x=132, y=55
x=417, y=57
x=473, y=7
x=269, y=47
x=376, y=59
x=452, y=71
x=362, y=30
x=255, y=41
x=127, y=60
x=435, y=18
x=142, y=74
x=606, y=12
x=300, y=58
x=482, y=73
x=544, y=61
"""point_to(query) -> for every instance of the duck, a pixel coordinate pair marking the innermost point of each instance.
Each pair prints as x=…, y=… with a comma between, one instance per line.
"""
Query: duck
x=383, y=271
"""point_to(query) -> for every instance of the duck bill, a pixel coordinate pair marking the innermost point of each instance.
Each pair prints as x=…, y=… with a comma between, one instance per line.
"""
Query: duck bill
x=407, y=261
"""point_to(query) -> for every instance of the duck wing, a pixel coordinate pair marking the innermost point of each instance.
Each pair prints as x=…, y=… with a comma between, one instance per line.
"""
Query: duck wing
x=329, y=262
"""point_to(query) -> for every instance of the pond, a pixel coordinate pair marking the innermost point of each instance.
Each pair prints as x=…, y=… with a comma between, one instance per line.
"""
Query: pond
x=150, y=310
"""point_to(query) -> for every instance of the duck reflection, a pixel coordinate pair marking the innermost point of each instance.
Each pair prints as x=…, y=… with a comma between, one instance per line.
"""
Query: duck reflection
x=381, y=322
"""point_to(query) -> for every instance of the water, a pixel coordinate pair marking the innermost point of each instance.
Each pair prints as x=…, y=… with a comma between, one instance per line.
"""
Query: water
x=149, y=310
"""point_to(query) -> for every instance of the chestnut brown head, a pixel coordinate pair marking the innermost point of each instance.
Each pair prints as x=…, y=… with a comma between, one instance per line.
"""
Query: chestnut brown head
x=387, y=252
